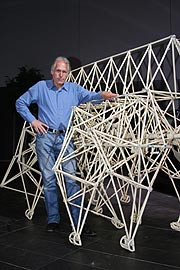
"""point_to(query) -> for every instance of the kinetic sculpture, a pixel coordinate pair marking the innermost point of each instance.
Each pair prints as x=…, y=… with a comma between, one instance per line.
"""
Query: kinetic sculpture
x=119, y=150
x=120, y=146
x=27, y=180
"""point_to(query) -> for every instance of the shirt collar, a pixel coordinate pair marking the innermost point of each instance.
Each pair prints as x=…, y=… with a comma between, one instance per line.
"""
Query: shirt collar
x=50, y=85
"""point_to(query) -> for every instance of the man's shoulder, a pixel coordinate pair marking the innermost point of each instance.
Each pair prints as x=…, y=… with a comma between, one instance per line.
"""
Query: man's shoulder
x=48, y=83
x=39, y=83
x=70, y=85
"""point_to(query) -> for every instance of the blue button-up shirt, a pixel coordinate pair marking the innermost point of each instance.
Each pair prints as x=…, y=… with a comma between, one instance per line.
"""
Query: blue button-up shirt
x=54, y=105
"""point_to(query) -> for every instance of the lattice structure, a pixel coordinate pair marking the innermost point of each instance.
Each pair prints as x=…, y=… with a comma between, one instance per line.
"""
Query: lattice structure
x=120, y=146
x=152, y=66
x=23, y=175
x=120, y=150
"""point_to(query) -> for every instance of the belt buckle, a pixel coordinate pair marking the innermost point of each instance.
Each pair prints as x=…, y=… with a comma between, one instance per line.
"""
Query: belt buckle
x=56, y=131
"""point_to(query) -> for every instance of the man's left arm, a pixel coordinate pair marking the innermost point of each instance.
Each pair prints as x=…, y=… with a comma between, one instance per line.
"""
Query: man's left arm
x=85, y=95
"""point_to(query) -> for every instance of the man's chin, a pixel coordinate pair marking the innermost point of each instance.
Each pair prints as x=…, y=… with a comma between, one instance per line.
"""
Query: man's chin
x=60, y=83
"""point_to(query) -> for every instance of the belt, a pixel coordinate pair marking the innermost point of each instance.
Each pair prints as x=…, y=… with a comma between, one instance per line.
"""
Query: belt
x=56, y=131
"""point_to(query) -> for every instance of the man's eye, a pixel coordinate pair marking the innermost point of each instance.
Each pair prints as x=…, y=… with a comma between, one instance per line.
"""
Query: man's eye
x=62, y=71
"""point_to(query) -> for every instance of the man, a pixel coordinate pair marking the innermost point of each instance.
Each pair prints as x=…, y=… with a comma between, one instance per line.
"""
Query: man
x=55, y=99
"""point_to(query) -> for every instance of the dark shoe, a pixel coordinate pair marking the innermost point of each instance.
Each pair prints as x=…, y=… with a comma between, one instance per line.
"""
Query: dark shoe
x=52, y=227
x=88, y=232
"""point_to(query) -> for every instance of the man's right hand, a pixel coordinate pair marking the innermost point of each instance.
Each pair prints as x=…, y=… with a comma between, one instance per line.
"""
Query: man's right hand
x=39, y=126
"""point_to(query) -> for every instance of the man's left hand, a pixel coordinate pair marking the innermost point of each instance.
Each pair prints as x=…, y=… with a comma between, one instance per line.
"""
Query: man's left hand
x=108, y=95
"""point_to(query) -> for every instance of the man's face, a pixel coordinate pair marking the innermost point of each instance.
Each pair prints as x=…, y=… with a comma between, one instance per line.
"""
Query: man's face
x=59, y=74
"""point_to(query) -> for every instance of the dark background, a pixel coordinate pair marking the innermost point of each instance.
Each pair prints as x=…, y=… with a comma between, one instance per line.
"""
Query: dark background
x=35, y=32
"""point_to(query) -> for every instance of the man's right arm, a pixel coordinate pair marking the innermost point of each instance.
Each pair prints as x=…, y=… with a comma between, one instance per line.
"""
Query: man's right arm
x=22, y=107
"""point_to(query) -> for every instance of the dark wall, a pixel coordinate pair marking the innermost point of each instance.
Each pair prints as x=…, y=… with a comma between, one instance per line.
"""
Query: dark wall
x=89, y=30
x=11, y=124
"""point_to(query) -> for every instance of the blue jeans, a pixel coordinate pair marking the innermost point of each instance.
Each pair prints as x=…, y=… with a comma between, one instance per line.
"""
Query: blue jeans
x=48, y=147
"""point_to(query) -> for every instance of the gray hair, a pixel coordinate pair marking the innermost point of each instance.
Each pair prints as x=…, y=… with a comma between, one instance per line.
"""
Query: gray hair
x=63, y=59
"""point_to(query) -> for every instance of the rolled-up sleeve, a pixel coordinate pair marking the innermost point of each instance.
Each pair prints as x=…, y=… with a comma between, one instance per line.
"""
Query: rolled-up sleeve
x=86, y=95
x=23, y=102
